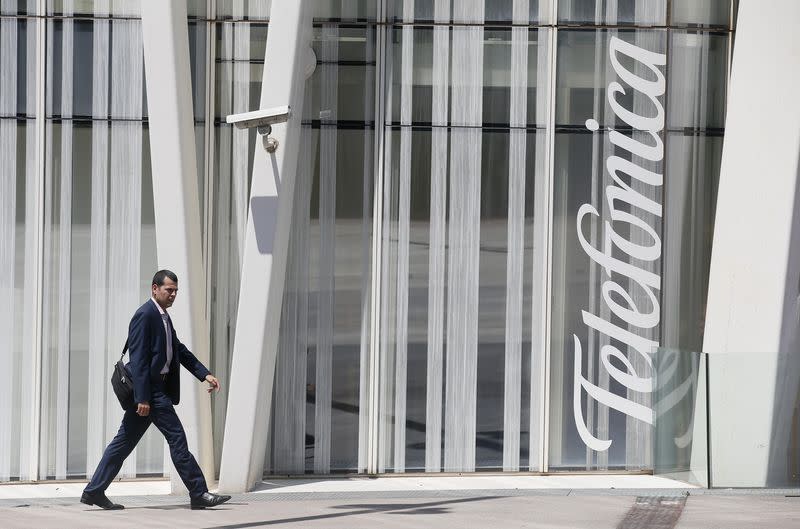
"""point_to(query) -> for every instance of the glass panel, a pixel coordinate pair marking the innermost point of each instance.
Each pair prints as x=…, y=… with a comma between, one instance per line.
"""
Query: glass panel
x=498, y=46
x=693, y=166
x=91, y=283
x=680, y=449
x=696, y=114
x=231, y=184
x=613, y=12
x=18, y=67
x=697, y=80
x=353, y=70
x=16, y=140
x=715, y=13
x=494, y=11
x=17, y=256
x=196, y=8
x=99, y=240
x=239, y=67
x=606, y=306
x=344, y=10
x=241, y=41
x=243, y=9
x=197, y=64
x=320, y=396
x=239, y=58
x=18, y=7
x=458, y=243
x=117, y=8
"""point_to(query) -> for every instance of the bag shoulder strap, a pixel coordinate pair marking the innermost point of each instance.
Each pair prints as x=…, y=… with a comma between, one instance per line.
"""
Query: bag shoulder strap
x=124, y=350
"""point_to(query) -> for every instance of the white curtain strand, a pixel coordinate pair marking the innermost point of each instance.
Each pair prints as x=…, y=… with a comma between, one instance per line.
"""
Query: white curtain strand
x=464, y=238
x=366, y=254
x=226, y=253
x=8, y=234
x=26, y=369
x=290, y=376
x=512, y=386
x=98, y=271
x=541, y=232
x=437, y=254
x=327, y=252
x=64, y=246
x=403, y=227
x=124, y=249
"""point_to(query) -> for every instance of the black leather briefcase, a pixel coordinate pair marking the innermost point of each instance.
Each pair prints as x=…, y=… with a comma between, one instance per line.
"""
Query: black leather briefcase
x=122, y=383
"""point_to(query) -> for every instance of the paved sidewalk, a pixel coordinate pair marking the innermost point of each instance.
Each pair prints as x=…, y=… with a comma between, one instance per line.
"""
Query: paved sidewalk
x=534, y=502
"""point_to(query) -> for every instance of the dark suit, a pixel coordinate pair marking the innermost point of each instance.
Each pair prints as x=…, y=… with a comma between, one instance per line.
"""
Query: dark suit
x=147, y=344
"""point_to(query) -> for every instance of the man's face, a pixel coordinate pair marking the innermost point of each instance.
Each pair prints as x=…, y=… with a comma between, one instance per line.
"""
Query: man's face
x=165, y=294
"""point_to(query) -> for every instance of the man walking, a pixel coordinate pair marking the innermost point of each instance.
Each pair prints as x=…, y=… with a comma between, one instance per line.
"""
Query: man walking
x=156, y=355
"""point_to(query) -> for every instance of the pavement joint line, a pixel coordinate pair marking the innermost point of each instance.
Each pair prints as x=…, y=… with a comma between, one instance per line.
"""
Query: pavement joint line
x=643, y=495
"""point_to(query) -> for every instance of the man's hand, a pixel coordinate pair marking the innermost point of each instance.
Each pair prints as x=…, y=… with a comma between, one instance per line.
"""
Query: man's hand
x=143, y=409
x=211, y=379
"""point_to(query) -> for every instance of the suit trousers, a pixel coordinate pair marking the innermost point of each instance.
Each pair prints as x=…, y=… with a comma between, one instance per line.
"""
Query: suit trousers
x=162, y=414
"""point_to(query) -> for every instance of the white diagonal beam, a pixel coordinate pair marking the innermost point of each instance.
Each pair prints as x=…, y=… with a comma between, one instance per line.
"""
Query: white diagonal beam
x=753, y=308
x=176, y=203
x=265, y=248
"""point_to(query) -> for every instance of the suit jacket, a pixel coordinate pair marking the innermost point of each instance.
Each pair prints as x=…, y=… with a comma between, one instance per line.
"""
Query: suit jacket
x=147, y=346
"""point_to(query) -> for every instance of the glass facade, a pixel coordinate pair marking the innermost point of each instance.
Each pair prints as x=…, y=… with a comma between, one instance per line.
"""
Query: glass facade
x=460, y=162
x=651, y=194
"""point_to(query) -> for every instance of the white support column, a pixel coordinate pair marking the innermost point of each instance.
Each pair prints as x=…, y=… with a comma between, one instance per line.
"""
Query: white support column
x=753, y=310
x=265, y=253
x=176, y=204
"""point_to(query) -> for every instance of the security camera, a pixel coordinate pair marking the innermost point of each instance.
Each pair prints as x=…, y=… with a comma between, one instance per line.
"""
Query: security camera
x=262, y=120
x=259, y=118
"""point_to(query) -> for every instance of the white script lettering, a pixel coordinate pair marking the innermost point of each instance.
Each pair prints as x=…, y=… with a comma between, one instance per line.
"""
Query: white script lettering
x=636, y=315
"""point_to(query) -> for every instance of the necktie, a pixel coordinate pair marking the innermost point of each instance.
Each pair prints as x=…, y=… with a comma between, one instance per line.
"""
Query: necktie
x=168, y=329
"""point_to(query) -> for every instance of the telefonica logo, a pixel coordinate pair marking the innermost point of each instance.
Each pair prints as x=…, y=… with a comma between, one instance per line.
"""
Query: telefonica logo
x=646, y=316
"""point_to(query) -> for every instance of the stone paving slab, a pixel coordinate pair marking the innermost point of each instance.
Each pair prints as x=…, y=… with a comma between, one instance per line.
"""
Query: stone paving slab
x=539, y=509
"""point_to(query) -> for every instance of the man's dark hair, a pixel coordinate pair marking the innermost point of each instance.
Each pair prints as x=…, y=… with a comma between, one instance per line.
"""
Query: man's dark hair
x=158, y=279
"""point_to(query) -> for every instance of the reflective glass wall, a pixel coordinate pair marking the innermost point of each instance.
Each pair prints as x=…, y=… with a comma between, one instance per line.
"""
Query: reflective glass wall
x=78, y=232
x=99, y=230
x=495, y=127
x=502, y=206
x=319, y=418
x=236, y=36
x=18, y=206
x=640, y=102
x=465, y=141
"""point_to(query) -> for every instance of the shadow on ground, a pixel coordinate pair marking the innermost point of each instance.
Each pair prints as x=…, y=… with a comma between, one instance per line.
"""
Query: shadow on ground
x=435, y=507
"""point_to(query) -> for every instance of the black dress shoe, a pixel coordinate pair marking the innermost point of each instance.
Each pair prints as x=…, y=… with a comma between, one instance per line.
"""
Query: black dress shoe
x=209, y=499
x=100, y=500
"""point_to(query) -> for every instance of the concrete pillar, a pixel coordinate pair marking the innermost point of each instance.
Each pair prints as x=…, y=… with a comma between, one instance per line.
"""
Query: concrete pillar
x=177, y=205
x=265, y=249
x=752, y=313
